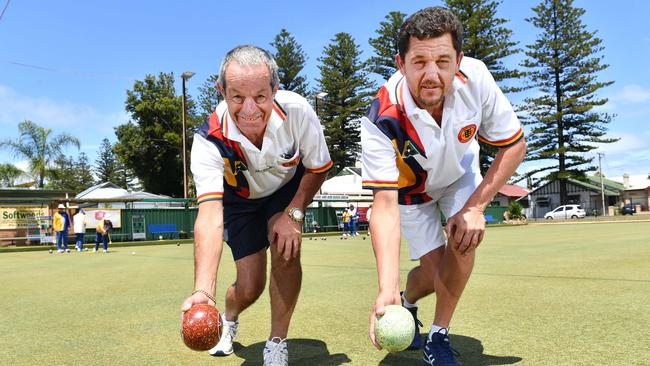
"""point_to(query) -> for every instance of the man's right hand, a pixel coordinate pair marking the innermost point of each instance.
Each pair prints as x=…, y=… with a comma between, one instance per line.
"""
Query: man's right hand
x=197, y=298
x=383, y=300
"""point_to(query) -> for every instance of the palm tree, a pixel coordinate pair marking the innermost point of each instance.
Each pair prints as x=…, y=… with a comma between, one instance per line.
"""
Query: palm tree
x=38, y=146
x=8, y=174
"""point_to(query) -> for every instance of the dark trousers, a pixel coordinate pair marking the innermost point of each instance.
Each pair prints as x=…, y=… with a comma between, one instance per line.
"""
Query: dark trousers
x=62, y=238
x=101, y=238
x=80, y=240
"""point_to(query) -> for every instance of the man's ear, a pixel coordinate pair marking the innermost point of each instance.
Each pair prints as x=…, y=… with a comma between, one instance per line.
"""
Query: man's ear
x=400, y=63
x=221, y=90
x=459, y=58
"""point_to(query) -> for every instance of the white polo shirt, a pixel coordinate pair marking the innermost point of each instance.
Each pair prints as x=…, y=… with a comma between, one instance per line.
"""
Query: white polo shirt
x=404, y=148
x=221, y=154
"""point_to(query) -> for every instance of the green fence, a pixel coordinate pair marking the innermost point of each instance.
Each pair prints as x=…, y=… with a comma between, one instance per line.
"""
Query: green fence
x=135, y=224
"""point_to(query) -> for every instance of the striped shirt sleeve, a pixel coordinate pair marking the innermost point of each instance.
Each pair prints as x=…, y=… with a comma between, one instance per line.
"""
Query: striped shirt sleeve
x=378, y=158
x=500, y=126
x=207, y=169
x=313, y=148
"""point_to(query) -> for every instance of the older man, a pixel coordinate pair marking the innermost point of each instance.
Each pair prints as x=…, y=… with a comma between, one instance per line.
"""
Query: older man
x=257, y=163
x=420, y=157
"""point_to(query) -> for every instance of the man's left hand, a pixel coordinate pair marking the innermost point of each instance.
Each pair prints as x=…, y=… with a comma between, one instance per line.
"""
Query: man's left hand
x=466, y=229
x=287, y=235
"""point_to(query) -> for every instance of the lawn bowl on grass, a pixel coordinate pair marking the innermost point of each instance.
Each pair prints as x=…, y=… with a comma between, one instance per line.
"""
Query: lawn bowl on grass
x=201, y=327
x=395, y=329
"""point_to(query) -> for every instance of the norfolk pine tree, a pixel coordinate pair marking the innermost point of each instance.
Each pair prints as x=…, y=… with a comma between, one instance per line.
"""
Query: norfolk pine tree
x=487, y=39
x=106, y=163
x=343, y=78
x=291, y=60
x=562, y=64
x=209, y=97
x=385, y=45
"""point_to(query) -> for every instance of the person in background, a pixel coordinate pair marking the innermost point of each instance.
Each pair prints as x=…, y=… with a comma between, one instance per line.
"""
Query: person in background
x=61, y=223
x=354, y=220
x=346, y=223
x=102, y=228
x=79, y=223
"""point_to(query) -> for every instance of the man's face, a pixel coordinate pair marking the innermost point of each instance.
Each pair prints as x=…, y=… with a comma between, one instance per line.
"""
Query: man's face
x=429, y=67
x=249, y=96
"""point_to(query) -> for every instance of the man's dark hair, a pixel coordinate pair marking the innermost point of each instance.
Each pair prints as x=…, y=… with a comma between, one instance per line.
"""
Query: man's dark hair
x=430, y=22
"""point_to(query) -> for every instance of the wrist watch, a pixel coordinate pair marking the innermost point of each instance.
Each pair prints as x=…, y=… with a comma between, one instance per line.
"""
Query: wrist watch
x=295, y=214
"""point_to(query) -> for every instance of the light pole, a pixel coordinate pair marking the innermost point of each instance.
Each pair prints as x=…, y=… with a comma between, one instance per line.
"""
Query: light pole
x=317, y=96
x=186, y=75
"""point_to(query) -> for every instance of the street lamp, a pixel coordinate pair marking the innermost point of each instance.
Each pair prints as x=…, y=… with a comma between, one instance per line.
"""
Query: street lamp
x=318, y=96
x=185, y=76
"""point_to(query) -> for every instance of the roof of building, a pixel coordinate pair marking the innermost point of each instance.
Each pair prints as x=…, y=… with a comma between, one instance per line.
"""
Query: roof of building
x=610, y=190
x=511, y=190
x=608, y=183
x=347, y=181
x=634, y=182
x=108, y=190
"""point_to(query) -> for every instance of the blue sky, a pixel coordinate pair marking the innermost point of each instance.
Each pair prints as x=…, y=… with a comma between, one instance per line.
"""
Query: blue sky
x=84, y=55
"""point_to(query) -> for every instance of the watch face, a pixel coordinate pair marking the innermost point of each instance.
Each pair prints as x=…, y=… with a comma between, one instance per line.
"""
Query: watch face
x=297, y=214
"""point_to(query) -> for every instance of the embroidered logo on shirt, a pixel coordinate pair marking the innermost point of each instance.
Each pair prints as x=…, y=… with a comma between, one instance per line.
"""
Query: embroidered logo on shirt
x=466, y=133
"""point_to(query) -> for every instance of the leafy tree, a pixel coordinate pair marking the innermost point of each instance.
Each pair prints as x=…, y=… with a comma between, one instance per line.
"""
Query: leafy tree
x=291, y=60
x=562, y=64
x=486, y=38
x=8, y=174
x=70, y=174
x=385, y=45
x=349, y=92
x=150, y=143
x=39, y=147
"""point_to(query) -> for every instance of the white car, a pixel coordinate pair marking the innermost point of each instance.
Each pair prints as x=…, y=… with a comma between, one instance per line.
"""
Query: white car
x=566, y=212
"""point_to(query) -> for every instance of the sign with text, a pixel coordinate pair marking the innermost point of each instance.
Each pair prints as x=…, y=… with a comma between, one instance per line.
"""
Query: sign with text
x=21, y=217
x=93, y=215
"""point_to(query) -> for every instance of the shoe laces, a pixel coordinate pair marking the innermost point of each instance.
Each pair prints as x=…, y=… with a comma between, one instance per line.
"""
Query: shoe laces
x=232, y=329
x=439, y=345
x=275, y=352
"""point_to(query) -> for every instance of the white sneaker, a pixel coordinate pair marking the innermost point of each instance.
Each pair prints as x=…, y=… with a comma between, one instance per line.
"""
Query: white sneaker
x=276, y=352
x=228, y=334
x=104, y=250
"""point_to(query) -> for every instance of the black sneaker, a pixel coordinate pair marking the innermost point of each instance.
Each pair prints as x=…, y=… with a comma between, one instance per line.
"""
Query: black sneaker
x=417, y=340
x=438, y=351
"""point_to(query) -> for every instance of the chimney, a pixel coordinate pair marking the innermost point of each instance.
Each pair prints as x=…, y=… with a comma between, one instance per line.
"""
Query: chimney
x=626, y=180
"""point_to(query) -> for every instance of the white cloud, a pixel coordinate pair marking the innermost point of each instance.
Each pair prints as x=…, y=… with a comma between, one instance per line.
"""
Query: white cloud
x=628, y=142
x=632, y=94
x=56, y=114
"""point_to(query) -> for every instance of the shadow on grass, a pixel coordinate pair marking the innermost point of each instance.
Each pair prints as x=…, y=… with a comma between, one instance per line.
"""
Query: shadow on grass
x=470, y=349
x=302, y=352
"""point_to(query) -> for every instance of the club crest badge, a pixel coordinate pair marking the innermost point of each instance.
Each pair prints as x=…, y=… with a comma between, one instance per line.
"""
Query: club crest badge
x=466, y=133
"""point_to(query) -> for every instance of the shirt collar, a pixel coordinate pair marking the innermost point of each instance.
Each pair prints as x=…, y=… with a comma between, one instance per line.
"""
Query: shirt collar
x=405, y=99
x=231, y=132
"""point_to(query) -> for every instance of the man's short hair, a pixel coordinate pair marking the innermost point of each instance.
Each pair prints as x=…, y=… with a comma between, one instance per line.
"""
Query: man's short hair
x=430, y=22
x=248, y=55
